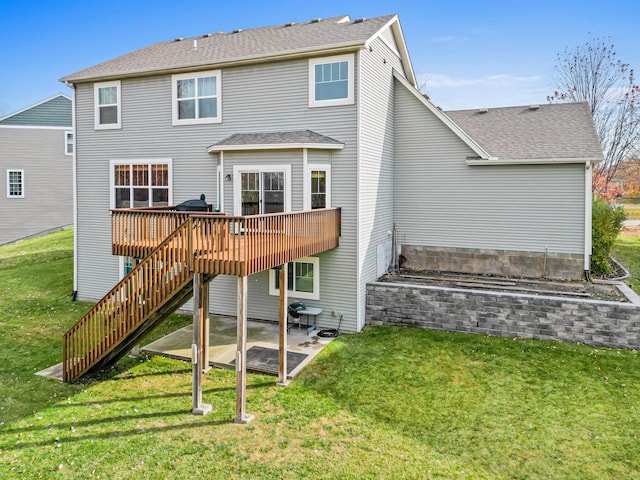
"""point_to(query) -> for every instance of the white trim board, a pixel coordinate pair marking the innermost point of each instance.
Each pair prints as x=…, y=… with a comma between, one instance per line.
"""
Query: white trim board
x=275, y=146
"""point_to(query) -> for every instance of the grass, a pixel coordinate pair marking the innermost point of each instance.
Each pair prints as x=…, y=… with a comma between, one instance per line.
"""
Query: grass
x=632, y=211
x=627, y=251
x=387, y=403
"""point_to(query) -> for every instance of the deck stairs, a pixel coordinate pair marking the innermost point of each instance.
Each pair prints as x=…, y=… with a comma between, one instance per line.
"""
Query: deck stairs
x=160, y=284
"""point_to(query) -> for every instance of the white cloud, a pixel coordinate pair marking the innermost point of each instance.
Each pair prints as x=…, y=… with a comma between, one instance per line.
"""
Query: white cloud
x=437, y=80
x=495, y=90
x=448, y=38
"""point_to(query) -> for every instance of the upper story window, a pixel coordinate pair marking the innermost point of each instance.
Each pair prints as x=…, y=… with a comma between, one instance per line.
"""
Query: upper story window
x=68, y=143
x=140, y=183
x=107, y=105
x=197, y=98
x=331, y=81
x=15, y=183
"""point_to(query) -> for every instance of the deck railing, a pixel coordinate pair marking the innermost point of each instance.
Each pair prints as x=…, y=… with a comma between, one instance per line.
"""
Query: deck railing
x=146, y=288
x=231, y=245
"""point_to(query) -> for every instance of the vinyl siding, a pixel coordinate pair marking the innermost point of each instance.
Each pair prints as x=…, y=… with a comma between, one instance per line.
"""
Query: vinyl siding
x=376, y=158
x=441, y=201
x=52, y=113
x=48, y=199
x=256, y=98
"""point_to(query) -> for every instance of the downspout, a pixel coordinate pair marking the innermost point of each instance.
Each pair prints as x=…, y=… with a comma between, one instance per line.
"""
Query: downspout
x=358, y=92
x=222, y=180
x=588, y=195
x=306, y=204
x=74, y=173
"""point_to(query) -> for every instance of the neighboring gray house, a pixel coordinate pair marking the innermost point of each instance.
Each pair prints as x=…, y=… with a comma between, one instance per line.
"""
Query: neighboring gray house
x=36, y=162
x=326, y=113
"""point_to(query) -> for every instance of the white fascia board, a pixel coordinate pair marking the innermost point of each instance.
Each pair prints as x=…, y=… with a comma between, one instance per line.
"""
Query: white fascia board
x=37, y=127
x=529, y=161
x=275, y=146
x=394, y=24
x=444, y=118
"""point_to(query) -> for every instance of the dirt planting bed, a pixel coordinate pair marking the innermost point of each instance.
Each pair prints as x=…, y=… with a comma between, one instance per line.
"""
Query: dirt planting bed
x=569, y=289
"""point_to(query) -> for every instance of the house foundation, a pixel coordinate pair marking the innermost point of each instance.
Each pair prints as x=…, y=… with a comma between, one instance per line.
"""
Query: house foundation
x=512, y=263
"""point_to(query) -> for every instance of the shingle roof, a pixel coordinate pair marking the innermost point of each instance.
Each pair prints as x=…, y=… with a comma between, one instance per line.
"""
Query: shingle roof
x=246, y=45
x=551, y=131
x=296, y=138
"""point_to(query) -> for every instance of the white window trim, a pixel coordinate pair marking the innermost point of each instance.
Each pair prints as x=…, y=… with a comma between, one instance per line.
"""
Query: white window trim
x=237, y=183
x=307, y=178
x=67, y=143
x=96, y=106
x=315, y=295
x=174, y=97
x=349, y=57
x=137, y=161
x=9, y=172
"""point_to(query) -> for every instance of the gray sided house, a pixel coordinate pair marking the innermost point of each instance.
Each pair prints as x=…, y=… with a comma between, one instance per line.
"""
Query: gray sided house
x=36, y=162
x=325, y=113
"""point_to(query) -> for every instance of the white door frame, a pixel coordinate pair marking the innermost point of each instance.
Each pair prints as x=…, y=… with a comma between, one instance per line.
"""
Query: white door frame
x=238, y=170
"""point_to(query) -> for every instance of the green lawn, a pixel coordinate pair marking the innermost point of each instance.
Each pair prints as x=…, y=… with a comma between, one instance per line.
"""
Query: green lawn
x=632, y=211
x=387, y=403
x=627, y=251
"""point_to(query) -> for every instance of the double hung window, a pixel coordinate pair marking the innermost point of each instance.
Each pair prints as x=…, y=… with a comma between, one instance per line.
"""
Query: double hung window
x=196, y=98
x=107, y=105
x=15, y=183
x=68, y=143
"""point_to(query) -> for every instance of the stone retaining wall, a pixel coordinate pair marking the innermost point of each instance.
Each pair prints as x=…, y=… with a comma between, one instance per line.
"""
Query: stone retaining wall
x=610, y=324
x=512, y=263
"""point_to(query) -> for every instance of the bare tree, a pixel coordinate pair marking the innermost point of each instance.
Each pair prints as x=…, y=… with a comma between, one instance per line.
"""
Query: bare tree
x=592, y=73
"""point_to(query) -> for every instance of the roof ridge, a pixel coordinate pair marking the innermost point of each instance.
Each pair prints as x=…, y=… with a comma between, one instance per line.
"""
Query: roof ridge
x=252, y=45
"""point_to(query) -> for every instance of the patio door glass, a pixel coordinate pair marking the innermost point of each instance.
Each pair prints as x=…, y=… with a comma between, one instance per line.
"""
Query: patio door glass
x=262, y=192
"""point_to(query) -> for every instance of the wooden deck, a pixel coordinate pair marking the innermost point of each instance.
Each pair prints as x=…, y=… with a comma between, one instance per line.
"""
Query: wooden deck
x=228, y=245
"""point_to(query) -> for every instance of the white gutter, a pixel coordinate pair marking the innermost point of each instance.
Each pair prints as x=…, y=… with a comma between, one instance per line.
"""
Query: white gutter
x=275, y=146
x=529, y=161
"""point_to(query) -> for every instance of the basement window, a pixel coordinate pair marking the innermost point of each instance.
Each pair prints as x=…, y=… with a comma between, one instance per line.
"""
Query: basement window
x=303, y=279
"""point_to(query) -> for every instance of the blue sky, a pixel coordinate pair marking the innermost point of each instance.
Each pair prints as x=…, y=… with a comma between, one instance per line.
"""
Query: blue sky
x=470, y=53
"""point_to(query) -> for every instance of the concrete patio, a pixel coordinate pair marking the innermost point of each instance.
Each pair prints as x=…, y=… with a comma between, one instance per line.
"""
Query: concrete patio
x=262, y=346
x=262, y=337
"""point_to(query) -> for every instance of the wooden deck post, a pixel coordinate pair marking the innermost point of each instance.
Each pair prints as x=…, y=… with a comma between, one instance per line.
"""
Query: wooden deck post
x=282, y=354
x=204, y=308
x=197, y=356
x=241, y=354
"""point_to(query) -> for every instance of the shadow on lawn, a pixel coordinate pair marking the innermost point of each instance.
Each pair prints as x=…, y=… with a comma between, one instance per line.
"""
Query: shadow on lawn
x=67, y=425
x=120, y=433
